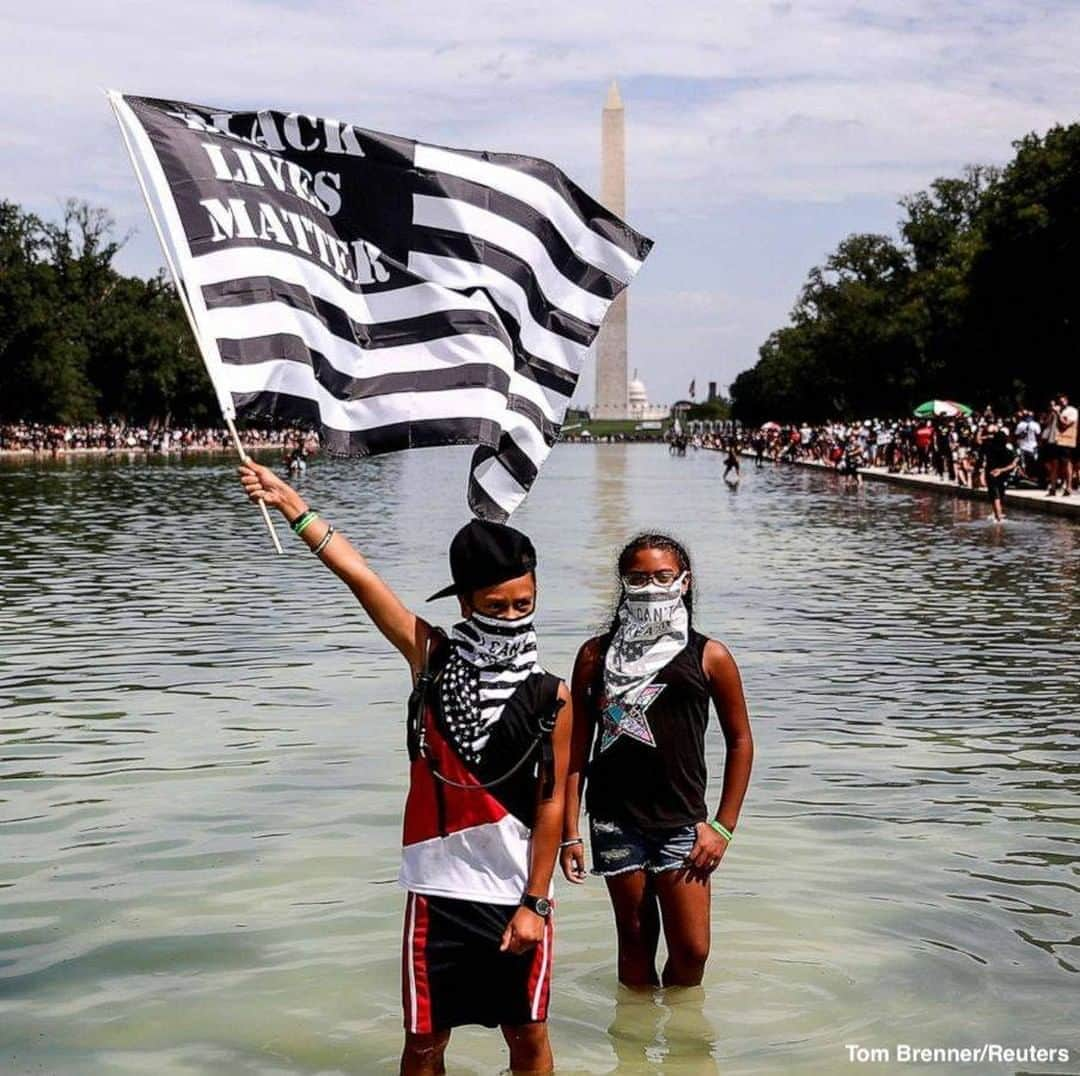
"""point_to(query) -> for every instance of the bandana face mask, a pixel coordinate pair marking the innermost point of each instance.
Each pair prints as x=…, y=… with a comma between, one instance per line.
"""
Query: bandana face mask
x=649, y=611
x=489, y=641
x=491, y=657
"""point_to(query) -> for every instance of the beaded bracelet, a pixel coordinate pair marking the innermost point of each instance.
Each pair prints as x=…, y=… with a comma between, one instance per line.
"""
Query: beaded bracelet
x=722, y=830
x=324, y=541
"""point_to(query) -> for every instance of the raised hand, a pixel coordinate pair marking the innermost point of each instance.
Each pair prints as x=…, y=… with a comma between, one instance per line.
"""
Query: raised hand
x=261, y=484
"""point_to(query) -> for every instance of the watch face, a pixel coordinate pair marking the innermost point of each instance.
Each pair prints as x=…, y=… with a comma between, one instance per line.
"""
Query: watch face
x=543, y=906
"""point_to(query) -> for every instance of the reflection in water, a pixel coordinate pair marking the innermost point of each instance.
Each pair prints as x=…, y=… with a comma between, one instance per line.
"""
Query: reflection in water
x=609, y=514
x=202, y=767
x=610, y=496
x=663, y=1031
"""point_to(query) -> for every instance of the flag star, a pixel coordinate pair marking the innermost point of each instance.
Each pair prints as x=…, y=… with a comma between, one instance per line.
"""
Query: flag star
x=628, y=719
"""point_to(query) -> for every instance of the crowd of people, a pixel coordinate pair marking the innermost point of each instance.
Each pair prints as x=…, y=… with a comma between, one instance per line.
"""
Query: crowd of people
x=55, y=439
x=982, y=451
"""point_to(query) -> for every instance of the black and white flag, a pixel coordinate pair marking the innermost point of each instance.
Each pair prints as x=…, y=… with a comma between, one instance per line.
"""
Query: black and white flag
x=388, y=293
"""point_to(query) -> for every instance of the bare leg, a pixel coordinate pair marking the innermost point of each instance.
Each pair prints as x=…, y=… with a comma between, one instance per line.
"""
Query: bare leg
x=424, y=1054
x=637, y=925
x=1051, y=476
x=530, y=1050
x=685, y=908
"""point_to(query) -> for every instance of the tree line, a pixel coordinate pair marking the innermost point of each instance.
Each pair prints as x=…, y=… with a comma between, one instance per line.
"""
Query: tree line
x=80, y=341
x=977, y=300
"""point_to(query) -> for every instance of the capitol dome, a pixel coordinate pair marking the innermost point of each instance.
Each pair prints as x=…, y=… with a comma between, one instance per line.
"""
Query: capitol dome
x=637, y=401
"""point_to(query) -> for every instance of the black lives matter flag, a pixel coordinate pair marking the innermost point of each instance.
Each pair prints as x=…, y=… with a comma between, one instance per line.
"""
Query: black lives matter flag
x=388, y=293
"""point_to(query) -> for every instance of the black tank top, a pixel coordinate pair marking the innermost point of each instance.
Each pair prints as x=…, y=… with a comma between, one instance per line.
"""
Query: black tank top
x=659, y=787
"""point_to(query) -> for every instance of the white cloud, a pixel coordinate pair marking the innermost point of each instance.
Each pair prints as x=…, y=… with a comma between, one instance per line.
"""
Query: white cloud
x=732, y=109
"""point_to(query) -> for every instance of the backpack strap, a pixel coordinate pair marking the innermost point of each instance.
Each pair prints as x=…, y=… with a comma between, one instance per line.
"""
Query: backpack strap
x=427, y=675
x=546, y=722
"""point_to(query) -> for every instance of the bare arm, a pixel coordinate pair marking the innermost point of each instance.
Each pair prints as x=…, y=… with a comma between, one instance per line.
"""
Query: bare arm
x=572, y=857
x=408, y=632
x=526, y=929
x=725, y=687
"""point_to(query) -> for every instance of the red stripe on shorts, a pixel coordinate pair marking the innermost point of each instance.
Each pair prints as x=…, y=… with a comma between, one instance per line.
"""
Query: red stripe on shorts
x=540, y=974
x=415, y=988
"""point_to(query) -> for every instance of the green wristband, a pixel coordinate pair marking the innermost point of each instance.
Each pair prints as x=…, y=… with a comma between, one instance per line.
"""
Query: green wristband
x=305, y=520
x=722, y=830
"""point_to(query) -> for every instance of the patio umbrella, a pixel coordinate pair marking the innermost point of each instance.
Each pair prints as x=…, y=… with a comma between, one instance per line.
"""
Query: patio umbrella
x=950, y=408
x=770, y=425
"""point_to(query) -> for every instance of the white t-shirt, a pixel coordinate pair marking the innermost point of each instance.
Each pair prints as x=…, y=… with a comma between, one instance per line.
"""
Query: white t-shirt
x=1027, y=434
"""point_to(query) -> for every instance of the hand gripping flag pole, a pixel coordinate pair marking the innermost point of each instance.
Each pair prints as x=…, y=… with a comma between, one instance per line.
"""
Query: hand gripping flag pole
x=182, y=292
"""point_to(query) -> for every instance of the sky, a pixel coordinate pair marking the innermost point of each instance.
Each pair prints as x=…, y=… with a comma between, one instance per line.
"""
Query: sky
x=758, y=134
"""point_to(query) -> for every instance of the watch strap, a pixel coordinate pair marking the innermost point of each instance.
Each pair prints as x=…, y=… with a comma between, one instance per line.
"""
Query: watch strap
x=531, y=902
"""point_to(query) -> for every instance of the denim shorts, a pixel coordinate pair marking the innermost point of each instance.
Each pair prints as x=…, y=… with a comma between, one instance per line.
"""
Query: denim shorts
x=619, y=847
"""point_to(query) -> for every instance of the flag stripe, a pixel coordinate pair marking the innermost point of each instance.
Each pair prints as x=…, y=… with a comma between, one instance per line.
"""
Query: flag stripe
x=367, y=306
x=299, y=379
x=350, y=356
x=572, y=264
x=253, y=350
x=522, y=405
x=499, y=269
x=215, y=271
x=389, y=437
x=517, y=461
x=484, y=230
x=493, y=484
x=609, y=248
x=508, y=296
x=251, y=291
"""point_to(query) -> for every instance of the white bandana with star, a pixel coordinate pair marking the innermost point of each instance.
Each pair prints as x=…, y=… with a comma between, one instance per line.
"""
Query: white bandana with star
x=654, y=626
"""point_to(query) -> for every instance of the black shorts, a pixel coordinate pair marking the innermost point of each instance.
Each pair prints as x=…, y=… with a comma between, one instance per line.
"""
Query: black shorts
x=453, y=972
x=995, y=486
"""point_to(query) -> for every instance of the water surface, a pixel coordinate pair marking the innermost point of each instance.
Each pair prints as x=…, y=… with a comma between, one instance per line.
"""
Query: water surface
x=202, y=769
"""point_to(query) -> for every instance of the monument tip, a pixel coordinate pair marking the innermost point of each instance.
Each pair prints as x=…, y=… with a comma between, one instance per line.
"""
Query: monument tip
x=614, y=100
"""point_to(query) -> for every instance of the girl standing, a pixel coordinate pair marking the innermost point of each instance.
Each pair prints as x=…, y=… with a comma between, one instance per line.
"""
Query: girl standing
x=641, y=699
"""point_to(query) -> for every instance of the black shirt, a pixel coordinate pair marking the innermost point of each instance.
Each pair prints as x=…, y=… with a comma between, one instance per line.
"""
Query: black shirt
x=512, y=739
x=997, y=453
x=659, y=787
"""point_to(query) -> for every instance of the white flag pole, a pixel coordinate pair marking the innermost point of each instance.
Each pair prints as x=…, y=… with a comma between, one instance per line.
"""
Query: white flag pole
x=180, y=290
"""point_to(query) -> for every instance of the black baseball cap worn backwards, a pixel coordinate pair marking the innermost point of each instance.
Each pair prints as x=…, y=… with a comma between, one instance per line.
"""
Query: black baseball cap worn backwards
x=484, y=553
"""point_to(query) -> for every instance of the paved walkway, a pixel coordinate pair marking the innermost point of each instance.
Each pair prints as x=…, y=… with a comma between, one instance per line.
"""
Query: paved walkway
x=1034, y=500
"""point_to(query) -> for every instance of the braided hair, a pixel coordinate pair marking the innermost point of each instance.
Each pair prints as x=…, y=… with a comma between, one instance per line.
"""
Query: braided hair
x=652, y=540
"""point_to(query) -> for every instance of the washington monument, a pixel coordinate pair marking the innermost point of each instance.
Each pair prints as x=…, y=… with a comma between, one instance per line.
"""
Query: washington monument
x=611, y=398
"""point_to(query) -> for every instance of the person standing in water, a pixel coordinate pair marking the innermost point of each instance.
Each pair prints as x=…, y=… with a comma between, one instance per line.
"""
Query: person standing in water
x=1001, y=460
x=731, y=461
x=641, y=704
x=489, y=740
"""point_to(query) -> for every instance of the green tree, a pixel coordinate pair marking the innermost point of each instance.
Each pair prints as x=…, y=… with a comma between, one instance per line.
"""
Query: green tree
x=975, y=301
x=79, y=340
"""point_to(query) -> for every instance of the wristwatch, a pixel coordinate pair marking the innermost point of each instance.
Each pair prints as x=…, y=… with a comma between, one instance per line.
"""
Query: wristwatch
x=540, y=905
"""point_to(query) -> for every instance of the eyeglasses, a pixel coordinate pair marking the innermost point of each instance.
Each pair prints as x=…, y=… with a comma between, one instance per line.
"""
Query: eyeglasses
x=663, y=578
